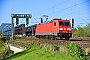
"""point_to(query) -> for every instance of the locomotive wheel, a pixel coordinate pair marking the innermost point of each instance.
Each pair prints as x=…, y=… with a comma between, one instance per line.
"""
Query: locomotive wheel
x=60, y=38
x=54, y=37
x=51, y=37
x=39, y=36
x=66, y=38
x=46, y=36
x=42, y=37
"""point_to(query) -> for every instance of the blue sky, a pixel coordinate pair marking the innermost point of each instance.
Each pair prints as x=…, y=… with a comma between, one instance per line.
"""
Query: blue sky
x=65, y=9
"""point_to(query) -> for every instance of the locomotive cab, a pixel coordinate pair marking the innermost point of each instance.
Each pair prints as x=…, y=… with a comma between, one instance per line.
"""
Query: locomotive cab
x=63, y=28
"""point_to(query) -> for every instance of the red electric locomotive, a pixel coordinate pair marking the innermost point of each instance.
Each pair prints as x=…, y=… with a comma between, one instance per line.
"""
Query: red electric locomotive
x=56, y=28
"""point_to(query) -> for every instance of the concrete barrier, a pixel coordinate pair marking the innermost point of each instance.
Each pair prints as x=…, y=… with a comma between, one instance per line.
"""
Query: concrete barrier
x=15, y=49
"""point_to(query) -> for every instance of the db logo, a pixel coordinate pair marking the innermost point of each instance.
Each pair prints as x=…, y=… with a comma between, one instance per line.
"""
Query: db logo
x=64, y=28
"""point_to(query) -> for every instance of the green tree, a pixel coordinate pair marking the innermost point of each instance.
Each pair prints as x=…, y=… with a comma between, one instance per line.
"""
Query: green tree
x=79, y=32
x=87, y=30
x=82, y=31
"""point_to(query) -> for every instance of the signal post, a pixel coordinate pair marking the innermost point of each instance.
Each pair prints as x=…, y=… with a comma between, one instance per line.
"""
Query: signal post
x=72, y=27
x=17, y=16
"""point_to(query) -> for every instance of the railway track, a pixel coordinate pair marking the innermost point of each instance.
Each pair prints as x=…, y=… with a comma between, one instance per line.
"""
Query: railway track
x=82, y=42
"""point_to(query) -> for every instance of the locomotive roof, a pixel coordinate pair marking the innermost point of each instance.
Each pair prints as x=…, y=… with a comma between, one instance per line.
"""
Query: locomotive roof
x=53, y=20
x=57, y=19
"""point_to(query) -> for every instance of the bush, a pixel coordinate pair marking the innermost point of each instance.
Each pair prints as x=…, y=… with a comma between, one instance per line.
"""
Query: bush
x=75, y=51
x=3, y=48
x=1, y=35
x=4, y=39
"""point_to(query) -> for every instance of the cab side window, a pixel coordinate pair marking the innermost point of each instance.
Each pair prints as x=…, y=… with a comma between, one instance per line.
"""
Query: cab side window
x=54, y=23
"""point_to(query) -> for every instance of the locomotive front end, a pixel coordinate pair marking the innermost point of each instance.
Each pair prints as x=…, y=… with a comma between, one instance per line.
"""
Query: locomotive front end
x=65, y=30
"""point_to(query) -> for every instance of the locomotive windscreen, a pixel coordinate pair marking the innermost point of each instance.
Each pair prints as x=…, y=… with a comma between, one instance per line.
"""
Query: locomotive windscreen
x=64, y=23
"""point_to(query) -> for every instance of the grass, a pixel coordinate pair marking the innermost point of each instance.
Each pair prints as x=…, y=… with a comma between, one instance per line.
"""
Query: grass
x=88, y=57
x=36, y=53
x=24, y=43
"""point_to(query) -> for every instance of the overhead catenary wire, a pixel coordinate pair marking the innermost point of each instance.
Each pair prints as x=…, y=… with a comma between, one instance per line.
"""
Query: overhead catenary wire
x=36, y=20
x=73, y=7
x=76, y=4
x=70, y=7
x=77, y=12
x=53, y=6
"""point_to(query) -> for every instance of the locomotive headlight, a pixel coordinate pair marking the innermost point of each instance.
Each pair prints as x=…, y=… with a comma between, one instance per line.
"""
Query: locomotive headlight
x=60, y=29
x=69, y=29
